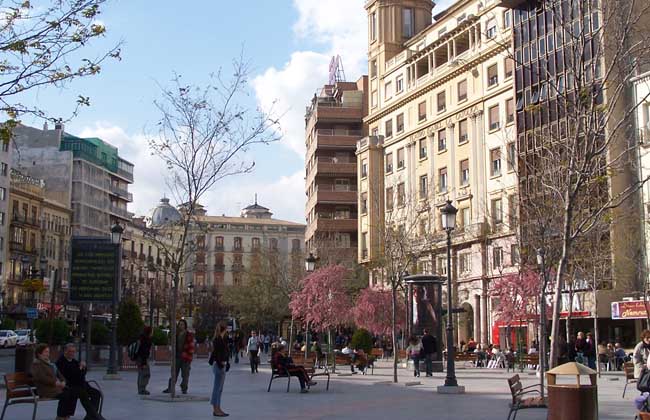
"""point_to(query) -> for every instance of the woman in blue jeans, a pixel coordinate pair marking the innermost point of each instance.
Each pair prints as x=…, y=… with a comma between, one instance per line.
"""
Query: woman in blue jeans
x=220, y=365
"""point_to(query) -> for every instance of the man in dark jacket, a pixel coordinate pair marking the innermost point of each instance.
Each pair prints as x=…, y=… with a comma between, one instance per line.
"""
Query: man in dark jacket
x=142, y=360
x=74, y=373
x=429, y=348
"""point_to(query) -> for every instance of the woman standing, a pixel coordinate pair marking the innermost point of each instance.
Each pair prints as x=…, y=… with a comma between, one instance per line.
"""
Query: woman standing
x=641, y=353
x=220, y=365
x=414, y=350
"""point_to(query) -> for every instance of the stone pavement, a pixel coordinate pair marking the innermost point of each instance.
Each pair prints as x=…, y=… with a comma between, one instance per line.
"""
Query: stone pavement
x=349, y=397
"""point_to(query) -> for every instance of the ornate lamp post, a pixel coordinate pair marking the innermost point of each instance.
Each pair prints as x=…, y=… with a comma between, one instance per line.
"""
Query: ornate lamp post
x=451, y=384
x=190, y=287
x=310, y=266
x=116, y=239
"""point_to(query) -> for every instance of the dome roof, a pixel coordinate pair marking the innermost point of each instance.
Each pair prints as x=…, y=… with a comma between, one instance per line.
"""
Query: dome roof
x=164, y=213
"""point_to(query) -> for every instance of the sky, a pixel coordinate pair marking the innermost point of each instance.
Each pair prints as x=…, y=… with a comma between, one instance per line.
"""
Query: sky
x=289, y=45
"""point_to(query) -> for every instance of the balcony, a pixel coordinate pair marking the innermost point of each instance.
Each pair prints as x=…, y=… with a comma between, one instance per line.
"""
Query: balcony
x=333, y=166
x=330, y=194
x=337, y=139
x=237, y=267
x=120, y=212
x=23, y=219
x=329, y=224
x=325, y=109
x=122, y=193
x=219, y=267
x=509, y=3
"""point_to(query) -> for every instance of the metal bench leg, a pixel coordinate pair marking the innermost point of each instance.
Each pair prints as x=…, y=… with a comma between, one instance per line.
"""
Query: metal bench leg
x=4, y=408
x=268, y=390
x=624, y=389
x=288, y=382
x=327, y=388
x=35, y=407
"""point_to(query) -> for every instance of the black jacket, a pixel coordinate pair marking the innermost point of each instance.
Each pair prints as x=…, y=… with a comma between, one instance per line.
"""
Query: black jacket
x=70, y=370
x=429, y=344
x=219, y=351
x=144, y=350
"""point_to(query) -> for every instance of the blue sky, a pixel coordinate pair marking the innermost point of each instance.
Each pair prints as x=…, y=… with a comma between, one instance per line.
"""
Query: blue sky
x=289, y=44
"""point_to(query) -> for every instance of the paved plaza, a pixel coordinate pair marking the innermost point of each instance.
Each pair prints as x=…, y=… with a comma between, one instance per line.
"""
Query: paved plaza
x=349, y=397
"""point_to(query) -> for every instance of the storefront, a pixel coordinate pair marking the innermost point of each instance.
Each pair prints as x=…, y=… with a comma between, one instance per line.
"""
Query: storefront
x=628, y=320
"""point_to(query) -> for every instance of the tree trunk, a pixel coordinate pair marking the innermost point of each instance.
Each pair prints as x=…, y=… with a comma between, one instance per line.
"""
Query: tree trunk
x=394, y=327
x=596, y=338
x=172, y=321
x=569, y=315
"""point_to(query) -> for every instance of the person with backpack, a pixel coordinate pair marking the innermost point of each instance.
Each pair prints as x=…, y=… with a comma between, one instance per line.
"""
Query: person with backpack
x=140, y=355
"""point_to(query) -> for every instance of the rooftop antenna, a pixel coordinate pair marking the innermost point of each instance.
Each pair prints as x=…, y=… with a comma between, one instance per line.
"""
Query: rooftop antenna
x=255, y=198
x=337, y=73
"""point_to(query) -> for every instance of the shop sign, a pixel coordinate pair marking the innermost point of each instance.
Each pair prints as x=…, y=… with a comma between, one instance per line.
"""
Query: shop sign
x=629, y=309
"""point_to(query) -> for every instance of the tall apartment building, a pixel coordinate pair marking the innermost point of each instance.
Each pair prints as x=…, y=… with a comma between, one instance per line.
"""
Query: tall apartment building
x=6, y=151
x=441, y=124
x=549, y=37
x=86, y=173
x=333, y=124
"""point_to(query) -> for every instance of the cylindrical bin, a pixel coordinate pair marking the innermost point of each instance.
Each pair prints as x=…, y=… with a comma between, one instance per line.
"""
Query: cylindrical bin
x=24, y=358
x=572, y=401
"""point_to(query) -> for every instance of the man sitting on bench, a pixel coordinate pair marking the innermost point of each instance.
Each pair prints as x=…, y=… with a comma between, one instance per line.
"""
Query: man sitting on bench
x=74, y=373
x=280, y=359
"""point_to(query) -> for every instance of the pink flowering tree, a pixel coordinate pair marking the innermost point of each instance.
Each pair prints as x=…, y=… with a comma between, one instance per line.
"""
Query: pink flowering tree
x=323, y=301
x=373, y=312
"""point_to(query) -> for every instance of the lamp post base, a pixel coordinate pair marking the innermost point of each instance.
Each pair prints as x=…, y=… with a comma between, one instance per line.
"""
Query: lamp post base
x=112, y=377
x=451, y=389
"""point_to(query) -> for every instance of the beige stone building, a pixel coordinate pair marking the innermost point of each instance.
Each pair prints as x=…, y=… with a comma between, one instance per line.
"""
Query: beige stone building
x=441, y=123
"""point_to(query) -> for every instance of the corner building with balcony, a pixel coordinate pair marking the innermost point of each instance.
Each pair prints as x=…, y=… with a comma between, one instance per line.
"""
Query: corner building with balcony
x=441, y=127
x=333, y=125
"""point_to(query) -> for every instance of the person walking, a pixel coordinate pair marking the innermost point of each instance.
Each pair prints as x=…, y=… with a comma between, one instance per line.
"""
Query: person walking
x=252, y=349
x=267, y=343
x=184, y=355
x=429, y=350
x=414, y=350
x=220, y=365
x=641, y=353
x=74, y=373
x=142, y=360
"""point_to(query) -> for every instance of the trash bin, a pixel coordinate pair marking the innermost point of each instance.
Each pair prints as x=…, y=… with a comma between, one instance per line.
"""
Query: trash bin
x=24, y=358
x=572, y=401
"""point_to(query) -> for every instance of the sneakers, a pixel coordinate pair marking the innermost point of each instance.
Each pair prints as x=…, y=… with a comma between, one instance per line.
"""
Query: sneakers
x=304, y=391
x=312, y=383
x=145, y=392
x=166, y=391
x=184, y=391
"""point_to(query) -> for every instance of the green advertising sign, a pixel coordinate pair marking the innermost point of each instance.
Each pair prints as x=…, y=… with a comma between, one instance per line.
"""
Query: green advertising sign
x=93, y=266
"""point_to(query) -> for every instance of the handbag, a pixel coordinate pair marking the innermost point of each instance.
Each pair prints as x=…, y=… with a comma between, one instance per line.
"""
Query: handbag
x=643, y=385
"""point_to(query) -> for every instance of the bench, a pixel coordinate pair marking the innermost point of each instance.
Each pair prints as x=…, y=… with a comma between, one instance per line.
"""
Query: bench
x=377, y=353
x=310, y=366
x=127, y=363
x=21, y=390
x=530, y=361
x=466, y=358
x=628, y=368
x=519, y=400
x=277, y=373
x=361, y=362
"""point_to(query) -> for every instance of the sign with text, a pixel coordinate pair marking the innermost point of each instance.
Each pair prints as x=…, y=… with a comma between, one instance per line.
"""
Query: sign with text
x=629, y=309
x=93, y=270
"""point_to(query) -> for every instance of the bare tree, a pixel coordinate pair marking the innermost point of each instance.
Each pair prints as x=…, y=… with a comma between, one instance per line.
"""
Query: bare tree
x=204, y=134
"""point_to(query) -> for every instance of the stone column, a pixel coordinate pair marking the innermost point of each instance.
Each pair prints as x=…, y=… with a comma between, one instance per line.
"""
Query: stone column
x=485, y=332
x=477, y=318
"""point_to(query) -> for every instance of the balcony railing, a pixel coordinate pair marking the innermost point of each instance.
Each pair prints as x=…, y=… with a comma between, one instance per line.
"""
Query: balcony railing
x=219, y=267
x=342, y=132
x=120, y=212
x=24, y=219
x=342, y=188
x=121, y=192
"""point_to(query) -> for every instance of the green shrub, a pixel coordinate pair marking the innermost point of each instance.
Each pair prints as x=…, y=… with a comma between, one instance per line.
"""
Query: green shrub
x=100, y=334
x=159, y=337
x=129, y=324
x=201, y=335
x=8, y=324
x=361, y=339
x=61, y=332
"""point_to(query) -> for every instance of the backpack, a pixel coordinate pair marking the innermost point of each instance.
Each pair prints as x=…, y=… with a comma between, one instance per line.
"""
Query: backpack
x=133, y=350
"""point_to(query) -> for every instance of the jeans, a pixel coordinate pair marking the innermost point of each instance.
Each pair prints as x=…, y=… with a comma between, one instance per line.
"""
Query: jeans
x=144, y=373
x=428, y=363
x=266, y=347
x=416, y=365
x=184, y=368
x=252, y=355
x=217, y=387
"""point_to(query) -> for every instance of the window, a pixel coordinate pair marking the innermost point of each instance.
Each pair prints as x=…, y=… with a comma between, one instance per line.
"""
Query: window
x=273, y=244
x=388, y=90
x=508, y=68
x=255, y=243
x=373, y=68
x=422, y=227
x=442, y=106
x=510, y=111
x=422, y=111
x=464, y=172
x=364, y=168
x=364, y=203
x=389, y=162
x=512, y=156
x=493, y=75
x=497, y=257
x=237, y=244
x=5, y=146
x=400, y=158
x=399, y=84
x=375, y=131
x=3, y=169
x=3, y=194
x=514, y=254
x=465, y=262
x=408, y=23
x=424, y=187
x=342, y=240
x=373, y=26
x=373, y=99
x=400, y=194
x=495, y=162
x=295, y=244
x=423, y=148
x=341, y=213
x=512, y=210
x=389, y=128
x=462, y=131
x=399, y=120
x=462, y=91
x=218, y=243
x=343, y=184
x=2, y=218
x=389, y=198
x=442, y=140
x=364, y=245
x=497, y=211
x=507, y=19
x=465, y=216
x=442, y=180
x=491, y=29
x=441, y=264
x=493, y=117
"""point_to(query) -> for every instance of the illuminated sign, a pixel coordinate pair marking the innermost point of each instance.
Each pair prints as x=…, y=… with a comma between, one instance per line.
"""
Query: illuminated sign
x=630, y=309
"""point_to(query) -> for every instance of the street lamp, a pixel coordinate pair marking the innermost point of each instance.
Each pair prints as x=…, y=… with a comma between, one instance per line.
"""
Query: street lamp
x=153, y=274
x=310, y=263
x=190, y=287
x=541, y=261
x=116, y=239
x=448, y=212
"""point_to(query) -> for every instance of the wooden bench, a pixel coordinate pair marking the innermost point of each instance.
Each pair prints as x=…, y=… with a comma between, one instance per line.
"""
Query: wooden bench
x=519, y=400
x=466, y=358
x=377, y=353
x=530, y=360
x=21, y=390
x=127, y=363
x=311, y=367
x=276, y=373
x=628, y=368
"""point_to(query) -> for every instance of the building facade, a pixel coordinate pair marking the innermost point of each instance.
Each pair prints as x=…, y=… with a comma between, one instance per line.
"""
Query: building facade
x=441, y=123
x=85, y=173
x=333, y=124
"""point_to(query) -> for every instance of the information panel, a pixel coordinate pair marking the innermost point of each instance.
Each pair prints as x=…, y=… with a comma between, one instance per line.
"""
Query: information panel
x=93, y=270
